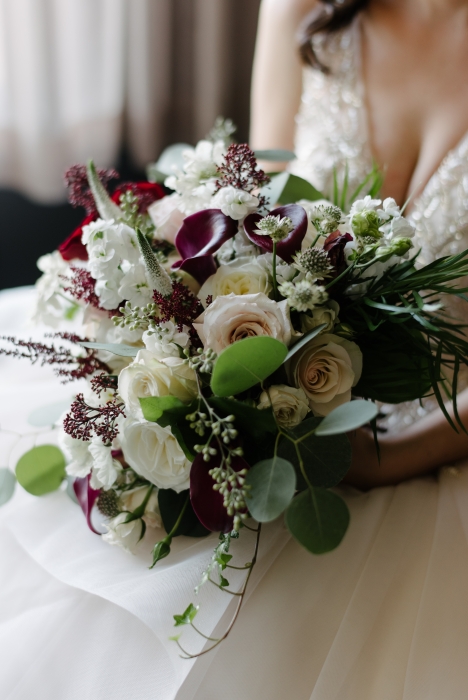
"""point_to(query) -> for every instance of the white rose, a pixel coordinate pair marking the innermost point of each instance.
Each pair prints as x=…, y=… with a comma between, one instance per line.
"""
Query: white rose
x=233, y=318
x=167, y=217
x=239, y=277
x=131, y=500
x=326, y=369
x=105, y=468
x=78, y=455
x=125, y=535
x=290, y=405
x=235, y=203
x=148, y=376
x=321, y=314
x=154, y=453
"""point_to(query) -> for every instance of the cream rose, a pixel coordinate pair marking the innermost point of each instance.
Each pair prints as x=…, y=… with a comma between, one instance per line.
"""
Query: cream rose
x=238, y=277
x=125, y=535
x=290, y=405
x=148, y=376
x=321, y=314
x=233, y=317
x=154, y=453
x=326, y=369
x=167, y=217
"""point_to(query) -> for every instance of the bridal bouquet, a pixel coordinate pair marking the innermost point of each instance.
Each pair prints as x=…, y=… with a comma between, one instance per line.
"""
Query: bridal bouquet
x=234, y=329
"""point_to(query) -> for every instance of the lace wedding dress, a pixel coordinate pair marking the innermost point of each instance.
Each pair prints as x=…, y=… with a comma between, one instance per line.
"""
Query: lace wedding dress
x=383, y=617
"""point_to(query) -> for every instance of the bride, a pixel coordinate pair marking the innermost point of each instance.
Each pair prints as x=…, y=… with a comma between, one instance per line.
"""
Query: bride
x=385, y=616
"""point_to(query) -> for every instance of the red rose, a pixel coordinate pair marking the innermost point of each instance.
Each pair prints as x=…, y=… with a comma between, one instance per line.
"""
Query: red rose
x=72, y=248
x=145, y=192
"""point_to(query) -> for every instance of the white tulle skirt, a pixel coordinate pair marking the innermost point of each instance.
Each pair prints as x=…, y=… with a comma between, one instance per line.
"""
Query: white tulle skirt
x=384, y=617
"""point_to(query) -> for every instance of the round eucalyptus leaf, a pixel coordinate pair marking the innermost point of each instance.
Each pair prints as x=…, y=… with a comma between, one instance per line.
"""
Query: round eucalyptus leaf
x=7, y=485
x=48, y=415
x=347, y=417
x=318, y=520
x=246, y=363
x=41, y=470
x=272, y=485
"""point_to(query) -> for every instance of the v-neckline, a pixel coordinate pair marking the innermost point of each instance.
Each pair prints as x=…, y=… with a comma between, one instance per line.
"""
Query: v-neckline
x=365, y=117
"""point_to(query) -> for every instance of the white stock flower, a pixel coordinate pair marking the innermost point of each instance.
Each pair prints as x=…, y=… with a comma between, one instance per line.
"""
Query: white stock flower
x=241, y=276
x=147, y=376
x=389, y=209
x=166, y=340
x=134, y=286
x=154, y=453
x=231, y=318
x=326, y=369
x=122, y=534
x=105, y=468
x=108, y=291
x=49, y=305
x=235, y=203
x=167, y=216
x=289, y=405
x=327, y=314
x=109, y=243
x=79, y=458
x=131, y=500
x=398, y=228
x=364, y=204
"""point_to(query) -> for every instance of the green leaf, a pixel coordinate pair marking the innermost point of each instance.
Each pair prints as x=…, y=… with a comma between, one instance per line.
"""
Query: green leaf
x=347, y=417
x=325, y=460
x=7, y=485
x=171, y=504
x=169, y=411
x=248, y=419
x=115, y=348
x=297, y=188
x=41, y=470
x=246, y=363
x=154, y=407
x=48, y=415
x=171, y=157
x=272, y=486
x=161, y=550
x=278, y=155
x=304, y=340
x=273, y=190
x=187, y=616
x=106, y=207
x=223, y=559
x=223, y=582
x=318, y=520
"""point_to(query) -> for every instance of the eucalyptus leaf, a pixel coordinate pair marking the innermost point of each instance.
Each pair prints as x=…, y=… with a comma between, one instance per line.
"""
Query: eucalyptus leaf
x=347, y=417
x=246, y=363
x=318, y=520
x=7, y=485
x=297, y=188
x=154, y=407
x=278, y=155
x=273, y=190
x=48, y=415
x=325, y=460
x=172, y=157
x=272, y=485
x=115, y=348
x=41, y=470
x=304, y=340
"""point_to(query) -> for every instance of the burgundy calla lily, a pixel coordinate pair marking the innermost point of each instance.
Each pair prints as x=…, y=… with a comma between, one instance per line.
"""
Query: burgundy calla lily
x=87, y=497
x=289, y=245
x=334, y=247
x=207, y=503
x=201, y=235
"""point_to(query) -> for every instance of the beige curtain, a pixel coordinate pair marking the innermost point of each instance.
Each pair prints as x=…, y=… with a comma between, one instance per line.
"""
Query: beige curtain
x=78, y=78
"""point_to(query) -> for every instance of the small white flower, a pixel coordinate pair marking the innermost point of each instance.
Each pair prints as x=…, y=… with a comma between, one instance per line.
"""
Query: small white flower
x=108, y=291
x=398, y=228
x=235, y=203
x=165, y=340
x=134, y=286
x=77, y=452
x=50, y=307
x=389, y=209
x=365, y=204
x=105, y=468
x=304, y=295
x=122, y=534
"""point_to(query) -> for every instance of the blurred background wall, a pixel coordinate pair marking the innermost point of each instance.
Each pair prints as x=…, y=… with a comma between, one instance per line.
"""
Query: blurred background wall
x=116, y=80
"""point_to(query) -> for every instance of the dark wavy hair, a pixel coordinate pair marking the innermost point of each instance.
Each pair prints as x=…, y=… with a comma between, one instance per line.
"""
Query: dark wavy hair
x=329, y=16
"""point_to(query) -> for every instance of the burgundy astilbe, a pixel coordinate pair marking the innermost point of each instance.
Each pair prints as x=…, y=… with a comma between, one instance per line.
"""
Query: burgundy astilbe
x=240, y=169
x=79, y=193
x=85, y=421
x=102, y=382
x=68, y=365
x=182, y=306
x=82, y=286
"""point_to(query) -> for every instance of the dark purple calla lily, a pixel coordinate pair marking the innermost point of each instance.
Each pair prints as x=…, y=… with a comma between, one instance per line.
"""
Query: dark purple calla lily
x=207, y=503
x=334, y=247
x=87, y=497
x=201, y=235
x=289, y=245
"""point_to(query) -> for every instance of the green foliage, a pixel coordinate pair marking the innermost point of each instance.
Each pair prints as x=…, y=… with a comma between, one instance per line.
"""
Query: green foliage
x=171, y=505
x=246, y=363
x=347, y=417
x=41, y=470
x=161, y=550
x=248, y=420
x=272, y=485
x=106, y=207
x=7, y=485
x=297, y=188
x=187, y=616
x=155, y=407
x=318, y=520
x=277, y=155
x=170, y=411
x=114, y=348
x=325, y=460
x=304, y=340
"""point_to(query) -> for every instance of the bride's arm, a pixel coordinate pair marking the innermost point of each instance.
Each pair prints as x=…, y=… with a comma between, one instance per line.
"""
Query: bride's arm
x=428, y=444
x=277, y=74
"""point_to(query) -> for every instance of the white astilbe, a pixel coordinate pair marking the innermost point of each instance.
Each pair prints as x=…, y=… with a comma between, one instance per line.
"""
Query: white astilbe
x=304, y=295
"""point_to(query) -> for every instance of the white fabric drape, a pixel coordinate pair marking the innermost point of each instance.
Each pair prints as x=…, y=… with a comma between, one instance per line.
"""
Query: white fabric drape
x=77, y=78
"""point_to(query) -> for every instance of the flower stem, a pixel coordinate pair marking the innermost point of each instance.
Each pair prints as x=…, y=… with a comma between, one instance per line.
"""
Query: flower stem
x=275, y=286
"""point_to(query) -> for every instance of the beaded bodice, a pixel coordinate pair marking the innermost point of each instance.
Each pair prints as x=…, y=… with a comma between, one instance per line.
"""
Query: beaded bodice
x=332, y=135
